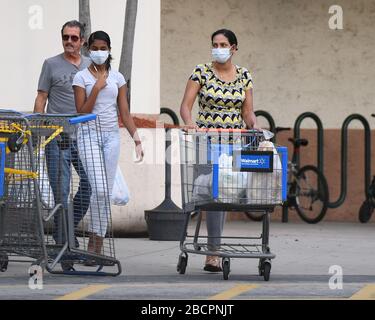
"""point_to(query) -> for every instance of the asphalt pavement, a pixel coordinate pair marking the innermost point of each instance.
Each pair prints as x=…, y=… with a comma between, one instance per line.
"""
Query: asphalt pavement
x=329, y=260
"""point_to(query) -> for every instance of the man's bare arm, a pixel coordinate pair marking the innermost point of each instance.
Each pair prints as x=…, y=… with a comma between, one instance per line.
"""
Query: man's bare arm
x=40, y=102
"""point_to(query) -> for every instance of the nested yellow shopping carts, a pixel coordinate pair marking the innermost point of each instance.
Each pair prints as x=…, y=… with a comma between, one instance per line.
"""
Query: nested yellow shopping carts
x=50, y=208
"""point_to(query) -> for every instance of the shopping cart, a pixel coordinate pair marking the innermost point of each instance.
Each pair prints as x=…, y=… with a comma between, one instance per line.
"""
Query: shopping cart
x=230, y=170
x=47, y=207
x=21, y=225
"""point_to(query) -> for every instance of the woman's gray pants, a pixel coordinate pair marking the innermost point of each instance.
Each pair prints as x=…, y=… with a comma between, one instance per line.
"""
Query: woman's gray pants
x=214, y=219
x=215, y=225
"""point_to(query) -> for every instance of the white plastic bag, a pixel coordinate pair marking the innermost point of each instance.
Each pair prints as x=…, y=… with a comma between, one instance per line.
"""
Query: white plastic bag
x=202, y=187
x=268, y=135
x=120, y=192
x=232, y=184
x=46, y=193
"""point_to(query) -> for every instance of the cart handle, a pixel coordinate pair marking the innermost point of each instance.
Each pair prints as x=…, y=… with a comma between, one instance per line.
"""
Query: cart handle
x=74, y=118
x=11, y=111
x=83, y=118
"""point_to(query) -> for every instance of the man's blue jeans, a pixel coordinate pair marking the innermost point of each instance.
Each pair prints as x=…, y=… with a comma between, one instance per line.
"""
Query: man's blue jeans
x=59, y=160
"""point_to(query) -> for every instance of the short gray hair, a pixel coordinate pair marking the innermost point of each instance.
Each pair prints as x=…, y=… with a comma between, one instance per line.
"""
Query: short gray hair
x=74, y=24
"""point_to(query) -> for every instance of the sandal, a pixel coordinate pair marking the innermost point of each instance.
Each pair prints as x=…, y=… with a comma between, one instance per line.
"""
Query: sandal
x=212, y=264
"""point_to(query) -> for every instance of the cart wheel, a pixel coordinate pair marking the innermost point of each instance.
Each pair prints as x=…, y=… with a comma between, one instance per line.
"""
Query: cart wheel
x=67, y=266
x=15, y=141
x=255, y=216
x=197, y=247
x=365, y=211
x=260, y=267
x=182, y=263
x=266, y=270
x=4, y=262
x=226, y=268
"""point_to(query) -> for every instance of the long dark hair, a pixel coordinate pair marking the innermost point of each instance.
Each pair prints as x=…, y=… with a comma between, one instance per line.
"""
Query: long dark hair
x=101, y=35
x=228, y=34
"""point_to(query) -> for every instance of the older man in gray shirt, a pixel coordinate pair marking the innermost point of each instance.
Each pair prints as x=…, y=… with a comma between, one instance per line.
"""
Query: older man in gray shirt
x=55, y=85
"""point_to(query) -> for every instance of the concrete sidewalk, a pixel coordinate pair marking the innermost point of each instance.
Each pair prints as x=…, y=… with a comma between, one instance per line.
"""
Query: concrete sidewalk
x=300, y=248
x=301, y=269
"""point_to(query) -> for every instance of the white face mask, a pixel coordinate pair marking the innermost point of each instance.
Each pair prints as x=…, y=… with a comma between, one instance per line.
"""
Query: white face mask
x=221, y=55
x=99, y=56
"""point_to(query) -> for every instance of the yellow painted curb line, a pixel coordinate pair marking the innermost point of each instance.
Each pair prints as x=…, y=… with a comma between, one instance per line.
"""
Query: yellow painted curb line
x=235, y=291
x=366, y=293
x=84, y=292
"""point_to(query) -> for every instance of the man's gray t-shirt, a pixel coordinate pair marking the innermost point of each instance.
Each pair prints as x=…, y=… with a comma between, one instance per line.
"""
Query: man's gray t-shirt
x=56, y=79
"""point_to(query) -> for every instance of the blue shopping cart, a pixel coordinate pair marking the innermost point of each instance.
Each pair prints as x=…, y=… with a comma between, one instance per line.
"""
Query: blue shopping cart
x=230, y=170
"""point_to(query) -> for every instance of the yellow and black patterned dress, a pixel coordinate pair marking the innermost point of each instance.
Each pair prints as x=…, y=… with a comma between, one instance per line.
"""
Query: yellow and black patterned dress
x=220, y=102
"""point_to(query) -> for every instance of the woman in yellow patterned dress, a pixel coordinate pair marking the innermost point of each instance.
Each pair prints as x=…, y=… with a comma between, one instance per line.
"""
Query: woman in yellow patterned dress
x=225, y=101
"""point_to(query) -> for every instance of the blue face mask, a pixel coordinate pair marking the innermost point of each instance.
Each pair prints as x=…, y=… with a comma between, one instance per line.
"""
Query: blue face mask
x=99, y=57
x=221, y=55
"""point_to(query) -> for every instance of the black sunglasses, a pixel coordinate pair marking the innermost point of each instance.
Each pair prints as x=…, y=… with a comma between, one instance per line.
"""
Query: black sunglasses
x=66, y=37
